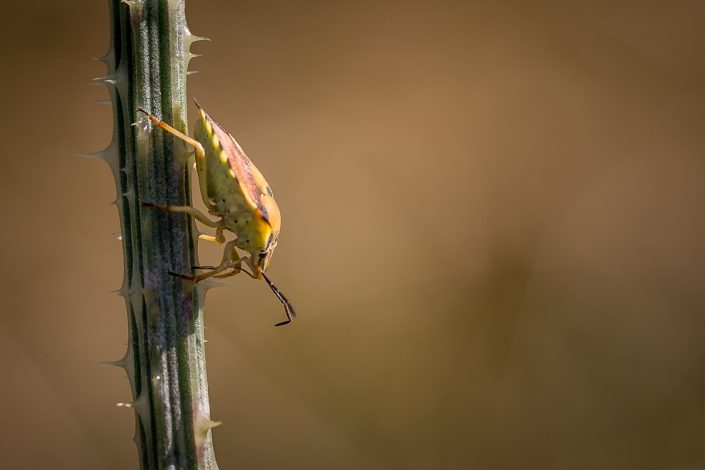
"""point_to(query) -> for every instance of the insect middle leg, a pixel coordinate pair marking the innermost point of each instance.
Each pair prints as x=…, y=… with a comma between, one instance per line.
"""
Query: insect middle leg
x=200, y=155
x=192, y=211
x=219, y=238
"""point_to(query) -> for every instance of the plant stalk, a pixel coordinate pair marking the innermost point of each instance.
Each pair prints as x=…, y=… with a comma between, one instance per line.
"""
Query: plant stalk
x=165, y=359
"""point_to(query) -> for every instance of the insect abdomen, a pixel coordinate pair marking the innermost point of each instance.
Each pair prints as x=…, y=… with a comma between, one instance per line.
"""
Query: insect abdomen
x=221, y=182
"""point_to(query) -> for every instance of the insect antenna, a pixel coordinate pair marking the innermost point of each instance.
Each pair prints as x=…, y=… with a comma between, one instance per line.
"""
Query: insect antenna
x=288, y=308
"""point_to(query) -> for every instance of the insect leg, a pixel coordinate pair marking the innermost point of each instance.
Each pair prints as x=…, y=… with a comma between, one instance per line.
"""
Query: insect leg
x=192, y=211
x=230, y=260
x=219, y=238
x=208, y=238
x=235, y=271
x=200, y=154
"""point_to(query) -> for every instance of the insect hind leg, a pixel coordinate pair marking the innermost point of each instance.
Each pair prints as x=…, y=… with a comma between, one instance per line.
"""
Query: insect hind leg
x=199, y=152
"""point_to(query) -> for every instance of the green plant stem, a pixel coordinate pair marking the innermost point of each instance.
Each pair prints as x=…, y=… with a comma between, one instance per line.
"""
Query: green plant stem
x=165, y=361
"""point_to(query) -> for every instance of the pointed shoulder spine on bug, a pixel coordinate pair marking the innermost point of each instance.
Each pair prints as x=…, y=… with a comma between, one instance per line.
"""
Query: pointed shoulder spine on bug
x=234, y=190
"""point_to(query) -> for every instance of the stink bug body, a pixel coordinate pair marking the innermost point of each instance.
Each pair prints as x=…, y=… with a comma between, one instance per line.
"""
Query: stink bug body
x=234, y=190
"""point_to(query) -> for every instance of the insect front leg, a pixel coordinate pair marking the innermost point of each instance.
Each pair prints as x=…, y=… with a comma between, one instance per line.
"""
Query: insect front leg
x=231, y=259
x=200, y=155
x=236, y=270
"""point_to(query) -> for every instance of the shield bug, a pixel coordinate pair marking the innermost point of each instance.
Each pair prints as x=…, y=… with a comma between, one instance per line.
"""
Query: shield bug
x=234, y=190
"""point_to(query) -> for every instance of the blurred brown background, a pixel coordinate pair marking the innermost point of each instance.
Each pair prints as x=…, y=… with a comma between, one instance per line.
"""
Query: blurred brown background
x=493, y=232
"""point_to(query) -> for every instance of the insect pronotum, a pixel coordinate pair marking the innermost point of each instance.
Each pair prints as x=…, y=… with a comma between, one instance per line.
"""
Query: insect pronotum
x=234, y=190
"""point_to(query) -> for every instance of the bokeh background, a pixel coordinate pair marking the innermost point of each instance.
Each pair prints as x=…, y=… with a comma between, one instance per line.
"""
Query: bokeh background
x=493, y=232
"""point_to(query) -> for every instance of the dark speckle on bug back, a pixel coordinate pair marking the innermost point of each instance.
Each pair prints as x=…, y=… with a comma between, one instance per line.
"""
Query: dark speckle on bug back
x=263, y=211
